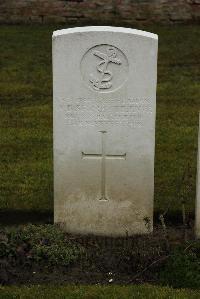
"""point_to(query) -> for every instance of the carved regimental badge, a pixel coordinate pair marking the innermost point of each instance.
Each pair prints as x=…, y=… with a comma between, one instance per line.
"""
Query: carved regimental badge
x=104, y=68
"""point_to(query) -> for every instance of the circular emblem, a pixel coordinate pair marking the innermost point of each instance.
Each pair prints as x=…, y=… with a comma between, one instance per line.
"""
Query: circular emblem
x=104, y=68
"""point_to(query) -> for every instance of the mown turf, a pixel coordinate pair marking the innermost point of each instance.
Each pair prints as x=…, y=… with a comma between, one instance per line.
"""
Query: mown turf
x=26, y=172
x=96, y=292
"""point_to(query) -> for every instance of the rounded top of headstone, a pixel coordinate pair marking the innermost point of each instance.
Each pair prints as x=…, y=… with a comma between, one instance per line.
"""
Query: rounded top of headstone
x=104, y=29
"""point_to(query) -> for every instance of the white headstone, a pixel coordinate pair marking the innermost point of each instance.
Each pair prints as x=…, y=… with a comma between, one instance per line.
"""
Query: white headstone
x=197, y=207
x=104, y=81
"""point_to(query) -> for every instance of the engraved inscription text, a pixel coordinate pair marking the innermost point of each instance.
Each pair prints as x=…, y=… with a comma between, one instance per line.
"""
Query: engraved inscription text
x=86, y=112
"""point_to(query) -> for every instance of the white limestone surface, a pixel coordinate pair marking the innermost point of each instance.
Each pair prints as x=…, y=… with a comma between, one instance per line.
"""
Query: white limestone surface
x=104, y=89
x=197, y=207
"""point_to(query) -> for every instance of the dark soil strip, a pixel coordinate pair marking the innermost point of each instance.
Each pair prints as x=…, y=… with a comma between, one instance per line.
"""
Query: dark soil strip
x=14, y=217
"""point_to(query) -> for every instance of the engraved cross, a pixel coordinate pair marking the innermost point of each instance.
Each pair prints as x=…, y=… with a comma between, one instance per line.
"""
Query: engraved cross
x=103, y=158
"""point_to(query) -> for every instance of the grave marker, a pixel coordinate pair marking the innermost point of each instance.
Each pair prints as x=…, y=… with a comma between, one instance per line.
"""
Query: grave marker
x=104, y=82
x=197, y=207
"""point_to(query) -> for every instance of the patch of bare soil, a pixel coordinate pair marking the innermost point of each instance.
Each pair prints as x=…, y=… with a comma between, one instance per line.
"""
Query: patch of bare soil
x=105, y=260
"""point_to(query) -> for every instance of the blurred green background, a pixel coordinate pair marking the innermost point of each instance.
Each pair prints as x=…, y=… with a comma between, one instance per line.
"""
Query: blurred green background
x=26, y=160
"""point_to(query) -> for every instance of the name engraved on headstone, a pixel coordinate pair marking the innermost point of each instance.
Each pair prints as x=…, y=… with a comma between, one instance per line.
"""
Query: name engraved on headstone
x=86, y=112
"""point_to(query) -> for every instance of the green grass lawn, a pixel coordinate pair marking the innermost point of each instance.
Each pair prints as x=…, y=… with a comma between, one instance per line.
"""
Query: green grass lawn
x=26, y=172
x=96, y=292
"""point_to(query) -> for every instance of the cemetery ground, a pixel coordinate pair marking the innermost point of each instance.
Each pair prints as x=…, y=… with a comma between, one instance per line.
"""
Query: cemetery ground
x=40, y=252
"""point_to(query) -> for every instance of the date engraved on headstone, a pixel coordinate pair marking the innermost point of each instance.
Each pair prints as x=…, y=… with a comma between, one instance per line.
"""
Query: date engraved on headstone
x=86, y=112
